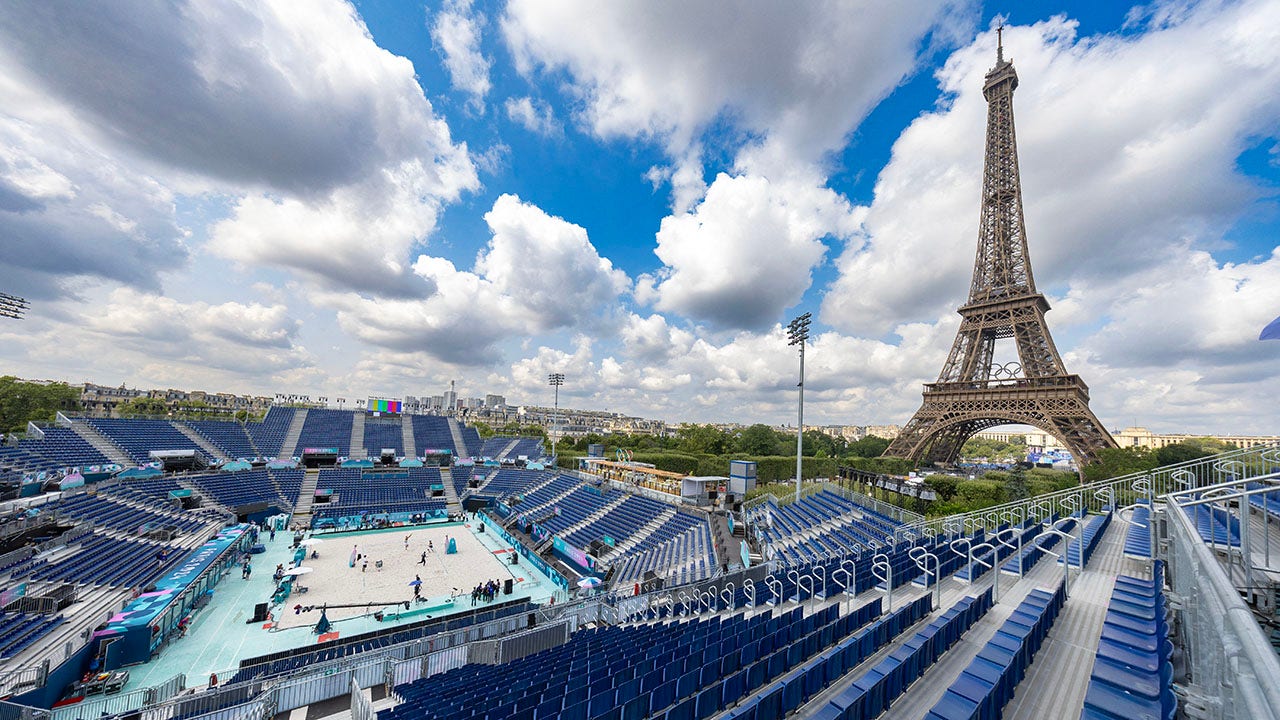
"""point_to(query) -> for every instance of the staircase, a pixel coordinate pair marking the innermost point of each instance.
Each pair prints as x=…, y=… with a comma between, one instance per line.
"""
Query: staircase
x=459, y=444
x=406, y=436
x=728, y=550
x=289, y=446
x=302, y=511
x=450, y=493
x=213, y=450
x=357, y=437
x=510, y=448
x=643, y=533
x=101, y=443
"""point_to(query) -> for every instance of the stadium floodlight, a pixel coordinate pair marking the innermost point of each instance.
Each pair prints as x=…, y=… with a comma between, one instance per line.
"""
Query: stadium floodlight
x=12, y=306
x=797, y=334
x=555, y=380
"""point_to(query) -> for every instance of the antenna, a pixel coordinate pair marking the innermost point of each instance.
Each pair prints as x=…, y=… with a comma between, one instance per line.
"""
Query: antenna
x=1000, y=43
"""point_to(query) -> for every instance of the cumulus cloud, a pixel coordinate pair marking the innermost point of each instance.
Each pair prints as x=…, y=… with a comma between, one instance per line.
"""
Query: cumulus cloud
x=747, y=252
x=291, y=112
x=148, y=339
x=538, y=273
x=1109, y=186
x=801, y=75
x=456, y=33
x=534, y=115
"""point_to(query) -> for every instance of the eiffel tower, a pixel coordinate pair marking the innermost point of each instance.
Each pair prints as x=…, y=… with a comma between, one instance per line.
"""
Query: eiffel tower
x=973, y=392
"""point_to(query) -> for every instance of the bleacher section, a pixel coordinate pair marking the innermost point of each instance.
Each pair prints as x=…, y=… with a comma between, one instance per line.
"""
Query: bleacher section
x=512, y=481
x=471, y=438
x=811, y=527
x=245, y=488
x=431, y=432
x=1132, y=673
x=875, y=690
x=379, y=435
x=984, y=687
x=406, y=490
x=327, y=429
x=103, y=511
x=104, y=560
x=230, y=437
x=63, y=447
x=18, y=631
x=269, y=434
x=137, y=437
x=690, y=669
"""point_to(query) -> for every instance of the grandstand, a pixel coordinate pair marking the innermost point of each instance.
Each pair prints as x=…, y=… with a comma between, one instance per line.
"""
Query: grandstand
x=1114, y=600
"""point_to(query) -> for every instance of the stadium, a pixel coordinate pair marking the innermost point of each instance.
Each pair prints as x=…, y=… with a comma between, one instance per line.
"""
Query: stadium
x=421, y=572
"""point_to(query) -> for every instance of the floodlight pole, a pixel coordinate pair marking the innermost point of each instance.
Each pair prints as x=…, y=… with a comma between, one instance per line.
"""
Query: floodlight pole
x=797, y=334
x=555, y=380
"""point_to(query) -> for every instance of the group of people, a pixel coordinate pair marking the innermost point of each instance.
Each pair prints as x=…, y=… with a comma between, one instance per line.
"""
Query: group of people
x=485, y=591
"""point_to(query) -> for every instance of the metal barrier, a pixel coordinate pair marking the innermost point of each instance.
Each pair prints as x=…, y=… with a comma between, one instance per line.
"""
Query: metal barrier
x=361, y=706
x=1233, y=666
x=12, y=711
x=1124, y=490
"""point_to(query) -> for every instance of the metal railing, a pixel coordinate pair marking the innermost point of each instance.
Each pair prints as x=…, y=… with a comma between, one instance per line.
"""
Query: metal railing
x=1116, y=492
x=1233, y=668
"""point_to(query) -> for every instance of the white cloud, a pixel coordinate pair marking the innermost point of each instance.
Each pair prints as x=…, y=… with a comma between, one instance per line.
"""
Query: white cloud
x=1127, y=148
x=148, y=339
x=747, y=252
x=290, y=113
x=538, y=274
x=534, y=115
x=801, y=75
x=456, y=33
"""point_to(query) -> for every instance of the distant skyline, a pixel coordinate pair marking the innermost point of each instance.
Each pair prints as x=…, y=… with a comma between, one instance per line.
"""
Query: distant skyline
x=372, y=199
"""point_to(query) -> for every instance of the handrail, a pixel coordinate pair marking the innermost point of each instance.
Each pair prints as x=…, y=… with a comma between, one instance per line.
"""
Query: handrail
x=1192, y=473
x=749, y=589
x=882, y=570
x=821, y=572
x=800, y=586
x=921, y=557
x=1066, y=562
x=775, y=589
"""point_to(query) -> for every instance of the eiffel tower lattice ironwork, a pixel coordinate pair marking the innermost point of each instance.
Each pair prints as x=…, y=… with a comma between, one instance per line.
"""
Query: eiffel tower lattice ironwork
x=974, y=392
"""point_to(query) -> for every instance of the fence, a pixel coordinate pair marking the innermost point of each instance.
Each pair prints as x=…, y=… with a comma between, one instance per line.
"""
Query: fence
x=514, y=647
x=1232, y=663
x=1115, y=492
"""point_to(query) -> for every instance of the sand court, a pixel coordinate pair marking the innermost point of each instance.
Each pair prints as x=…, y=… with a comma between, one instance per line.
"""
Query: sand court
x=333, y=581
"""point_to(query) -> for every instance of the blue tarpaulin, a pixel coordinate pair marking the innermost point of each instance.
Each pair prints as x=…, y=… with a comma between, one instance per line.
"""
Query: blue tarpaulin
x=1272, y=331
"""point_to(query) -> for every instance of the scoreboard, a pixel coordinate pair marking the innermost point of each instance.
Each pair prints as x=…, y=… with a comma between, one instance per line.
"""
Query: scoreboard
x=381, y=405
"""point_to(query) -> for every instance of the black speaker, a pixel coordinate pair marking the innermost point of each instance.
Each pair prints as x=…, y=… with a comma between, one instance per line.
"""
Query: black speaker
x=533, y=619
x=506, y=587
x=481, y=527
x=515, y=558
x=259, y=612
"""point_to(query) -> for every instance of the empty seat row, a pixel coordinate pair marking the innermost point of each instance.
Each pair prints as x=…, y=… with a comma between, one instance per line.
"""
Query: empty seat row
x=988, y=683
x=875, y=690
x=1132, y=673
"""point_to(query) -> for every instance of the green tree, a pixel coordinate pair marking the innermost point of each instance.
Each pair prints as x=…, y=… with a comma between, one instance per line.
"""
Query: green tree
x=870, y=446
x=1114, y=462
x=759, y=439
x=701, y=439
x=1015, y=488
x=22, y=402
x=1184, y=451
x=944, y=485
x=143, y=406
x=484, y=429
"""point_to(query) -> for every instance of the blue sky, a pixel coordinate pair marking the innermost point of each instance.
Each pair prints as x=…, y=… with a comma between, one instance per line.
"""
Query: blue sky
x=377, y=198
